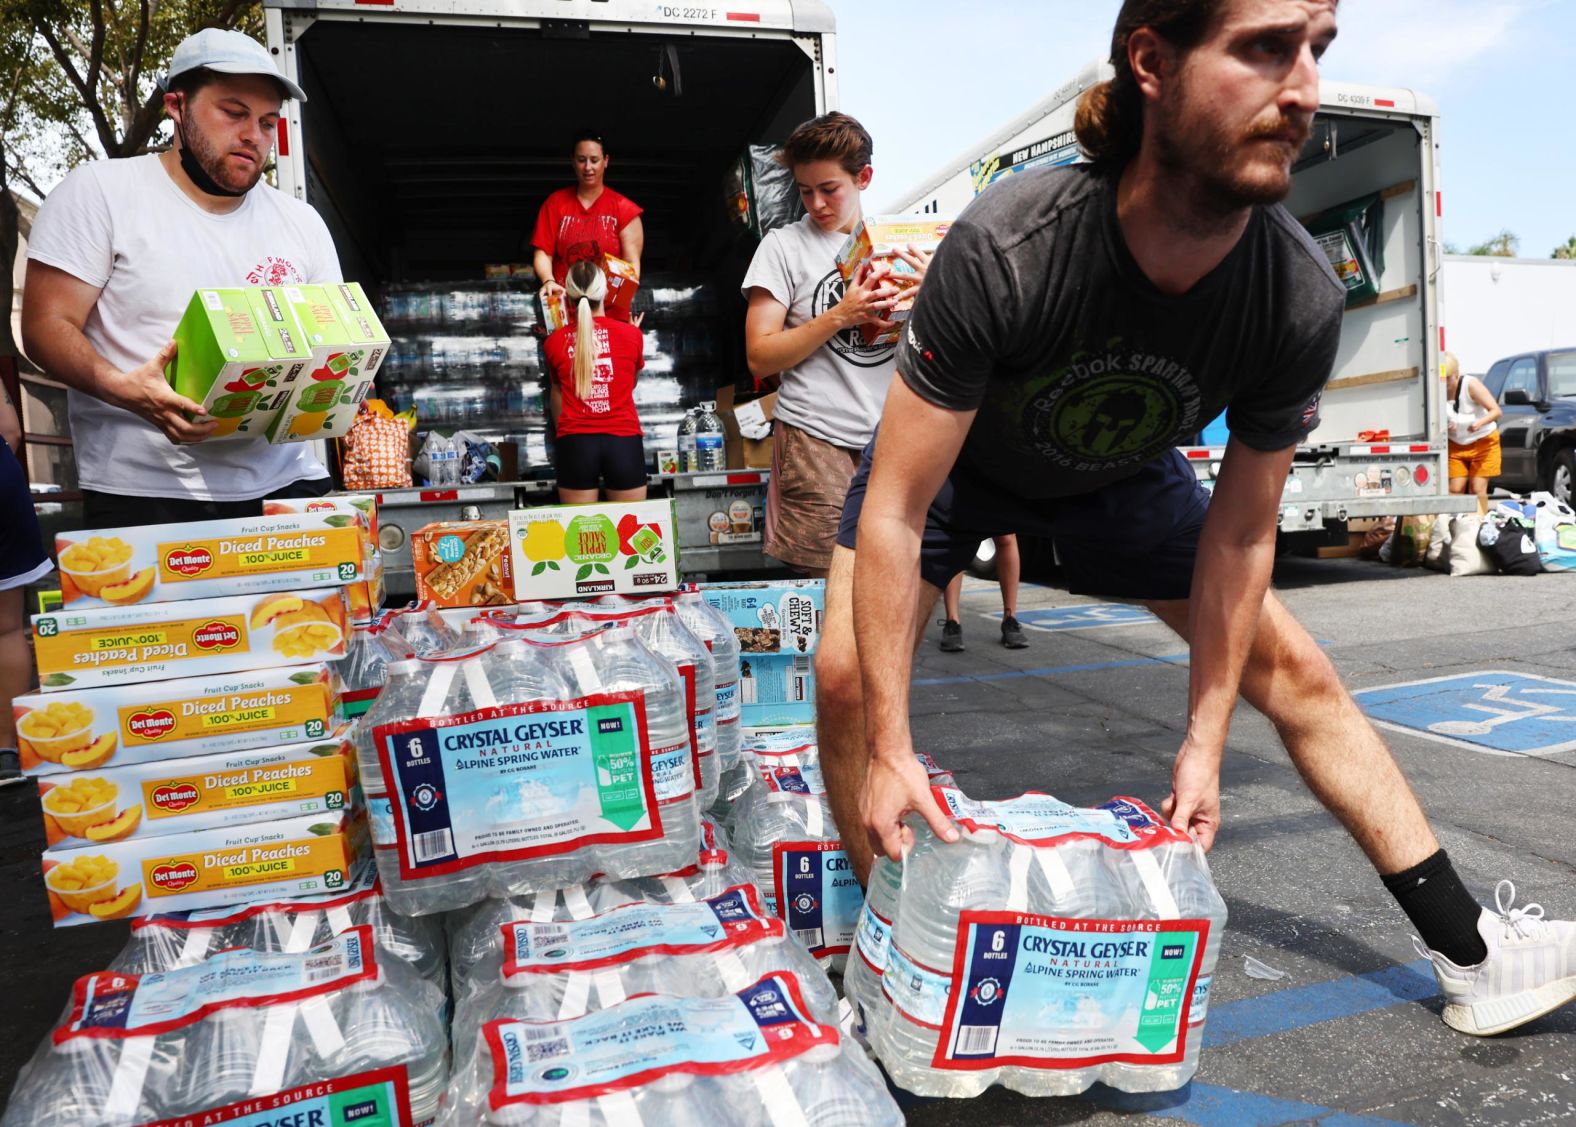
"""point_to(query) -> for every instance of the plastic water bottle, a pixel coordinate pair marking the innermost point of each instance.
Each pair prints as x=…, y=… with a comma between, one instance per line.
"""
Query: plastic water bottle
x=710, y=451
x=708, y=624
x=443, y=459
x=872, y=938
x=423, y=629
x=688, y=427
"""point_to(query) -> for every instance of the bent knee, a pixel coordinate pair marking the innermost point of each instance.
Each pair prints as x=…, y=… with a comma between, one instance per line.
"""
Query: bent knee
x=837, y=685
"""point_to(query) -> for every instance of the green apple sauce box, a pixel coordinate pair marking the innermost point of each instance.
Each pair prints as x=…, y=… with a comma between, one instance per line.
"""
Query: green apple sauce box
x=348, y=344
x=241, y=353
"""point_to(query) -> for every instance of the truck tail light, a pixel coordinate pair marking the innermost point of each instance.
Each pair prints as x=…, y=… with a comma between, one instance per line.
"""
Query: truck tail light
x=1420, y=475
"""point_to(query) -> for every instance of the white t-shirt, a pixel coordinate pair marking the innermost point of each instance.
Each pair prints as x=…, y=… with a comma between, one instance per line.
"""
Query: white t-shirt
x=1461, y=422
x=124, y=225
x=836, y=393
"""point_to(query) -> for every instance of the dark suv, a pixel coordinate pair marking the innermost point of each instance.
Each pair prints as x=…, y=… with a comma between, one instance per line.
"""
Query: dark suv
x=1537, y=432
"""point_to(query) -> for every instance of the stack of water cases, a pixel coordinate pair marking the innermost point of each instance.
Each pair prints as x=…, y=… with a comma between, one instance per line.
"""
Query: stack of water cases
x=1050, y=948
x=365, y=667
x=466, y=357
x=524, y=765
x=339, y=1028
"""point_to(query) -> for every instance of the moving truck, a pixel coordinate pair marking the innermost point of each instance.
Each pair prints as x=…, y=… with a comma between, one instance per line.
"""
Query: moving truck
x=434, y=129
x=1380, y=448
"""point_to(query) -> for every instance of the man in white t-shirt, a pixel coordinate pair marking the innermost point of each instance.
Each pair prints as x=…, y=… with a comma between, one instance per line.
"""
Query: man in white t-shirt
x=803, y=324
x=116, y=252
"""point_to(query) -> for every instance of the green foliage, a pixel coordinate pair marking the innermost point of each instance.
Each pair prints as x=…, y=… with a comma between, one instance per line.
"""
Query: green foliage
x=1567, y=249
x=1503, y=245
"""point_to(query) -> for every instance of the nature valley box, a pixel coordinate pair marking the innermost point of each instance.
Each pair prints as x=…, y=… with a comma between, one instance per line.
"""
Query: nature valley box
x=94, y=728
x=349, y=344
x=576, y=551
x=301, y=856
x=206, y=559
x=463, y=563
x=200, y=793
x=240, y=353
x=154, y=641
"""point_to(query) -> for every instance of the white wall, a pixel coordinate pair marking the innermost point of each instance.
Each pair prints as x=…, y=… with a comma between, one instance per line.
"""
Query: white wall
x=1494, y=307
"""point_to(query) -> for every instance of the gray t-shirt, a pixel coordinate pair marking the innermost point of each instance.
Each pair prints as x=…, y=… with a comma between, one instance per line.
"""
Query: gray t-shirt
x=1034, y=312
x=836, y=393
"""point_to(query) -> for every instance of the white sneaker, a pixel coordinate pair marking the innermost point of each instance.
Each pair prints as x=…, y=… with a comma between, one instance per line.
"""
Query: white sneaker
x=1530, y=969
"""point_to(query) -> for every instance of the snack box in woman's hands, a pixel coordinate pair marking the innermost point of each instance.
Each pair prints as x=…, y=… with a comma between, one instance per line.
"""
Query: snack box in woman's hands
x=199, y=793
x=207, y=559
x=300, y=856
x=155, y=641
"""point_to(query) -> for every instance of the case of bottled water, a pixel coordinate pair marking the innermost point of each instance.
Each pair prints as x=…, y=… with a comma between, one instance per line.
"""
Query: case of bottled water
x=424, y=629
x=1049, y=948
x=516, y=767
x=542, y=970
x=365, y=666
x=168, y=942
x=782, y=830
x=754, y=1058
x=338, y=1020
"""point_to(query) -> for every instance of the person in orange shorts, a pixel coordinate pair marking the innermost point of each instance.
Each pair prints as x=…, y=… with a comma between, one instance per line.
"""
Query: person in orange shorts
x=1472, y=411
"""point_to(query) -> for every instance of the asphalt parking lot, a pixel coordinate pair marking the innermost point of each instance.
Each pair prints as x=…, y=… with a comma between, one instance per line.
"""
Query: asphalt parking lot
x=1350, y=1035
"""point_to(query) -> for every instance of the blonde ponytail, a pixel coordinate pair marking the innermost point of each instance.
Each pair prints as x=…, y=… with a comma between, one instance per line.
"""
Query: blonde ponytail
x=586, y=286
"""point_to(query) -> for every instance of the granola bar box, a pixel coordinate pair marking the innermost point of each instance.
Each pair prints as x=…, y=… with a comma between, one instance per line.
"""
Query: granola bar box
x=160, y=563
x=155, y=641
x=581, y=551
x=778, y=625
x=89, y=729
x=463, y=563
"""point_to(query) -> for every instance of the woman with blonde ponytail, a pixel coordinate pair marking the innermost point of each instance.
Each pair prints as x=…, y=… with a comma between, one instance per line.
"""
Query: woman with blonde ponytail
x=594, y=362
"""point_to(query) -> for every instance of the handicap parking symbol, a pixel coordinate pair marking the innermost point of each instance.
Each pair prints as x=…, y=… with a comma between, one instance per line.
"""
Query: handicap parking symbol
x=1494, y=711
x=1085, y=616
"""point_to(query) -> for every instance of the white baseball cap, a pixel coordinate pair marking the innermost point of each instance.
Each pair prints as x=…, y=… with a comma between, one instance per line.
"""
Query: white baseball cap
x=227, y=52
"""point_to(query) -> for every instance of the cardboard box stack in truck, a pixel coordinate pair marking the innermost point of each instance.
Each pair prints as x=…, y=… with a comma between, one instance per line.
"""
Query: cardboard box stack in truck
x=432, y=202
x=1367, y=187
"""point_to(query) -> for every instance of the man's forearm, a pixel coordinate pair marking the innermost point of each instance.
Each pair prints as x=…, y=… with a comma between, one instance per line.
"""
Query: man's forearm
x=885, y=592
x=62, y=352
x=1229, y=585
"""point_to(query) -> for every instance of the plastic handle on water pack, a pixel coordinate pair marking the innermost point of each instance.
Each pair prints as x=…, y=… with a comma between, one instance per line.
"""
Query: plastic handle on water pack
x=125, y=1090
x=327, y=1037
x=195, y=949
x=1018, y=875
x=581, y=663
x=735, y=975
x=1155, y=884
x=575, y=900
x=1056, y=874
x=678, y=891
x=339, y=920
x=482, y=695
x=274, y=1052
x=620, y=1108
x=301, y=932
x=542, y=907
x=814, y=823
x=609, y=988
x=437, y=689
x=577, y=990
x=781, y=1102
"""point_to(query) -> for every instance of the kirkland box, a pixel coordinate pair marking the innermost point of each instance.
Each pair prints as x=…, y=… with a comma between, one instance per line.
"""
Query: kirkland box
x=574, y=551
x=201, y=793
x=154, y=641
x=240, y=353
x=84, y=730
x=160, y=563
x=349, y=344
x=778, y=625
x=301, y=856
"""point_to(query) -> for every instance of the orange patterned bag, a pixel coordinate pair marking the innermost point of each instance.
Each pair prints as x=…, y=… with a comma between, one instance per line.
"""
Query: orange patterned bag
x=377, y=449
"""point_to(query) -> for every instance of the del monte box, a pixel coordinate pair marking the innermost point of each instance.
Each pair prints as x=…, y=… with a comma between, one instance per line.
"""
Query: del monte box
x=239, y=352
x=575, y=551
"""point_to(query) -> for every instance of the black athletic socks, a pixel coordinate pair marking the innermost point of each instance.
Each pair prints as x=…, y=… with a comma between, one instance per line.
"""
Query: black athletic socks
x=1440, y=907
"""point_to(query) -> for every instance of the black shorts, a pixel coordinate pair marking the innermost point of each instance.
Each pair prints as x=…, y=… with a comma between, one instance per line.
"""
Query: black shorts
x=22, y=556
x=591, y=461
x=114, y=510
x=1133, y=539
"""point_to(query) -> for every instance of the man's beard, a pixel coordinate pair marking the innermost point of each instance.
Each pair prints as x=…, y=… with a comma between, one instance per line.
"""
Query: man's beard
x=211, y=161
x=1220, y=179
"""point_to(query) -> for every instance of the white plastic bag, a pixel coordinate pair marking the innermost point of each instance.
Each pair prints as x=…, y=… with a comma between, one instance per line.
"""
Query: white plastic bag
x=1466, y=558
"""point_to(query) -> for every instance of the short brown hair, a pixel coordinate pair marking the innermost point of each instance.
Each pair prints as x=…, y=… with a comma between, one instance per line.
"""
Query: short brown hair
x=1110, y=118
x=832, y=136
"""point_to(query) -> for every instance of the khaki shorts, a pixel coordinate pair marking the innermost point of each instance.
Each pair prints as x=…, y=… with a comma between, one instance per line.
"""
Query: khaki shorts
x=1476, y=459
x=805, y=500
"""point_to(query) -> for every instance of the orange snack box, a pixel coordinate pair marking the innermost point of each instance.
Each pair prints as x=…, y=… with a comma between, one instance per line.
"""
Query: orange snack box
x=463, y=563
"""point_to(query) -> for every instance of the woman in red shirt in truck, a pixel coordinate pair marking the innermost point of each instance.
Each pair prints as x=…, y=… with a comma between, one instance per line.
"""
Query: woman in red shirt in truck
x=594, y=361
x=586, y=221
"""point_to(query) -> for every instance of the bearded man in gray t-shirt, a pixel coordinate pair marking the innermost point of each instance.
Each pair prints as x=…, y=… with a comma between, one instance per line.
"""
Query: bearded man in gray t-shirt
x=1075, y=325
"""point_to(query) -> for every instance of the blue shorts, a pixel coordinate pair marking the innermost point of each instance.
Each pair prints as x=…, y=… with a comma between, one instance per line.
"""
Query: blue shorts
x=1132, y=539
x=22, y=555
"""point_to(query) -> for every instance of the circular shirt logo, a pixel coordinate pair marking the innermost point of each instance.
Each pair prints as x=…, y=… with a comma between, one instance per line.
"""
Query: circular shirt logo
x=1112, y=419
x=850, y=343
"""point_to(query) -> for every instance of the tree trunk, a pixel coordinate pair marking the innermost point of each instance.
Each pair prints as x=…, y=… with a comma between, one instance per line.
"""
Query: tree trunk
x=10, y=234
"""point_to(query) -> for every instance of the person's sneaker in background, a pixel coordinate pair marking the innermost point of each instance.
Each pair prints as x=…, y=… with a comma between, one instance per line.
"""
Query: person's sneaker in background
x=951, y=636
x=1530, y=969
x=1012, y=634
x=10, y=767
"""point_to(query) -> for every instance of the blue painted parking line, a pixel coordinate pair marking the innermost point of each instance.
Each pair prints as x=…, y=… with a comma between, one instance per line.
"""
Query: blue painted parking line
x=1495, y=711
x=1054, y=670
x=1209, y=1105
x=1085, y=616
x=1296, y=1007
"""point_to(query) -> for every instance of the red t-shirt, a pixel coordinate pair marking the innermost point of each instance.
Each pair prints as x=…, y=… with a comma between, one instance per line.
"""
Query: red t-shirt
x=620, y=354
x=570, y=232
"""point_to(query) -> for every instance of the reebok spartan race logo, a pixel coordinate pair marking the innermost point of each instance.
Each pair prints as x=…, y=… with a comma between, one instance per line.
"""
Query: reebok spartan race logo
x=1111, y=408
x=850, y=343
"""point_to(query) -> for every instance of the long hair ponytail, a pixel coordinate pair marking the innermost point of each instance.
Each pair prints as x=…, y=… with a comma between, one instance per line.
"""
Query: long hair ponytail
x=1110, y=116
x=586, y=286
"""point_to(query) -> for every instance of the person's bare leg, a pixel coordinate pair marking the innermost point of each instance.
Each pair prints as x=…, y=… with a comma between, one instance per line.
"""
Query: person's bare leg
x=1335, y=749
x=1008, y=569
x=578, y=496
x=627, y=495
x=839, y=704
x=953, y=597
x=16, y=663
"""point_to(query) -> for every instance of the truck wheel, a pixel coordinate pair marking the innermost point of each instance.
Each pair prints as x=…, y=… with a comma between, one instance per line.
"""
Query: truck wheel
x=1562, y=478
x=984, y=565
